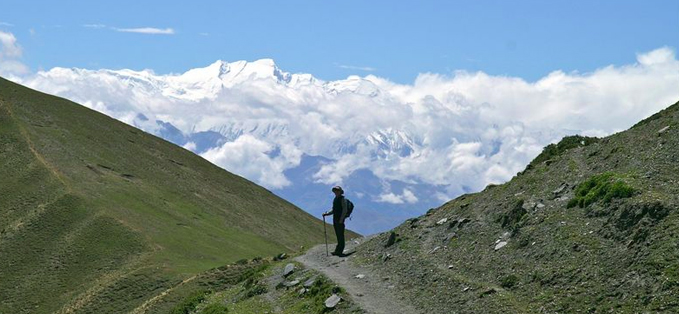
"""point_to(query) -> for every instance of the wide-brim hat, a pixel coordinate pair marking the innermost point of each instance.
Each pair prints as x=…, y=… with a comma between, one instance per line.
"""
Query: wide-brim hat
x=337, y=188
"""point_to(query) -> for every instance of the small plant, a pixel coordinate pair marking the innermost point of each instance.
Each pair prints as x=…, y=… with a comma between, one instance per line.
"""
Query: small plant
x=241, y=262
x=254, y=290
x=215, y=308
x=189, y=304
x=605, y=186
x=509, y=281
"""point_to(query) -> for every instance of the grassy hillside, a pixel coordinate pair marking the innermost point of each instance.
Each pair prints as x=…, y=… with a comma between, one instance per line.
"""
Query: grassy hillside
x=97, y=216
x=591, y=226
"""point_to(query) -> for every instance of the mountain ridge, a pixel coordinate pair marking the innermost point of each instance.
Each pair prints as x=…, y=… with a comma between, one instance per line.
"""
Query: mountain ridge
x=98, y=215
x=590, y=225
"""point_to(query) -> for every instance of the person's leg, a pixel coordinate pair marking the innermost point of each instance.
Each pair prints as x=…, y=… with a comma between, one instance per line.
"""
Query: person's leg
x=339, y=232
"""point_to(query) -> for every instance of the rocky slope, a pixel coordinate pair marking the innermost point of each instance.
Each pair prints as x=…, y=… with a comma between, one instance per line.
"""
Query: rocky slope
x=591, y=226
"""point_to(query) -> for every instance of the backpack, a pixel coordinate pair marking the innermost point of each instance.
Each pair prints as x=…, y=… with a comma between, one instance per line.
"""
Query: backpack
x=350, y=207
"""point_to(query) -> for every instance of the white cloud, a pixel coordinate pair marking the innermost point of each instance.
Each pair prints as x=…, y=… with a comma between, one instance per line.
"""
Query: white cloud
x=659, y=56
x=250, y=158
x=10, y=53
x=465, y=129
x=354, y=67
x=6, y=24
x=147, y=30
x=10, y=47
x=406, y=197
x=190, y=146
x=94, y=25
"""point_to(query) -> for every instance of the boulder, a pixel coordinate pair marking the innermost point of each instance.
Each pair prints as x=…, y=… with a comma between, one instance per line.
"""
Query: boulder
x=310, y=282
x=289, y=269
x=391, y=240
x=332, y=301
x=291, y=283
x=500, y=245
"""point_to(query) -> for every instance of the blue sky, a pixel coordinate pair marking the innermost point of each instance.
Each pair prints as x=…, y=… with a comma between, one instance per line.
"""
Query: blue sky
x=334, y=39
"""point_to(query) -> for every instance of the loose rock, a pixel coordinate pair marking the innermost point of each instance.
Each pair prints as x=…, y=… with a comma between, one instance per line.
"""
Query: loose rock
x=332, y=301
x=442, y=221
x=386, y=257
x=291, y=283
x=289, y=269
x=500, y=245
x=391, y=240
x=310, y=282
x=560, y=189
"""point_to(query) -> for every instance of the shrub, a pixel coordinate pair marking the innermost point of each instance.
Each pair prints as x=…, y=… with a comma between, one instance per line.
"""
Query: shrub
x=189, y=303
x=215, y=308
x=509, y=281
x=605, y=186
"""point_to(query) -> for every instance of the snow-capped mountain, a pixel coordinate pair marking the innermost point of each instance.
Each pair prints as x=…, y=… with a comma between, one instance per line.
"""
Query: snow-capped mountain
x=397, y=149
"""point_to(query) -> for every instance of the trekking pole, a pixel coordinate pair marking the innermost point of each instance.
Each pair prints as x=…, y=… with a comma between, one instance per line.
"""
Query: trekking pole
x=325, y=233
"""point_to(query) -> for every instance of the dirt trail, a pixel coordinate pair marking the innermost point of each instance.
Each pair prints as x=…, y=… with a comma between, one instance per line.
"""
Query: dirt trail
x=372, y=293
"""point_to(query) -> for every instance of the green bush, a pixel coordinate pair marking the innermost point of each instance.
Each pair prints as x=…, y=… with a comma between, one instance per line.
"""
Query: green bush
x=254, y=290
x=605, y=186
x=215, y=308
x=509, y=281
x=189, y=303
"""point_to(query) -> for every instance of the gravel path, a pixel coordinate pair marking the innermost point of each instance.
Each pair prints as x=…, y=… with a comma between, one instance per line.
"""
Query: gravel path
x=371, y=292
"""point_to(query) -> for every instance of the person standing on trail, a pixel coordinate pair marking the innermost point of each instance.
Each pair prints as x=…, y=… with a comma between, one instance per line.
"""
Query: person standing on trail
x=339, y=212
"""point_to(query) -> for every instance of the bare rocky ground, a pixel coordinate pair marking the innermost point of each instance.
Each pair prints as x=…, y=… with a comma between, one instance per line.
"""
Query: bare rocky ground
x=370, y=291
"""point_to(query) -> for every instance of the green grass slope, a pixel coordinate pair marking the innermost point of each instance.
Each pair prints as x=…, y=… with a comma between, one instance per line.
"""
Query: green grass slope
x=97, y=216
x=591, y=226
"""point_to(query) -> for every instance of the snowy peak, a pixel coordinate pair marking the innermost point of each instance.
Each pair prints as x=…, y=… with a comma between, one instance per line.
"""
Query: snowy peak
x=389, y=141
x=354, y=84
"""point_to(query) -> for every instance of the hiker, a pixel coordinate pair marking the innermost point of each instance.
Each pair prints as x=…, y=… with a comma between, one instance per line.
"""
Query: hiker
x=339, y=212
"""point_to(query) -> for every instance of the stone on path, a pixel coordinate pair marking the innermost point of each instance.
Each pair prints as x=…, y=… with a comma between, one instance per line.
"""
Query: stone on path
x=291, y=283
x=332, y=301
x=360, y=276
x=288, y=269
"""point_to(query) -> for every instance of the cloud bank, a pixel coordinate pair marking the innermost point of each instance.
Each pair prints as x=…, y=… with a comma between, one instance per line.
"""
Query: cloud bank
x=459, y=131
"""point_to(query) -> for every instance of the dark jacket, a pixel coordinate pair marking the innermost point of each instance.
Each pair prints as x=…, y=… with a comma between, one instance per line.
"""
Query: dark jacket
x=339, y=210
